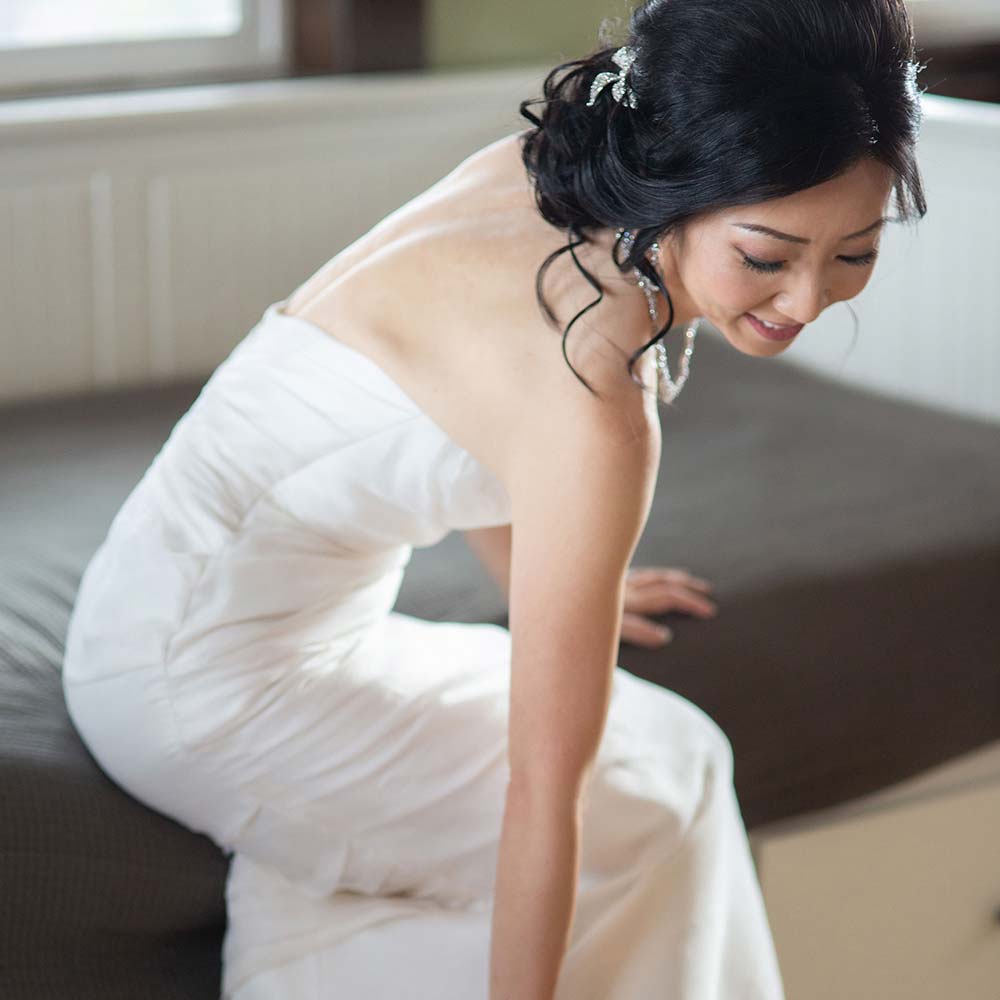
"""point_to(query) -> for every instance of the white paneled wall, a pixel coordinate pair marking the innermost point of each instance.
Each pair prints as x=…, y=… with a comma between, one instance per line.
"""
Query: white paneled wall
x=142, y=234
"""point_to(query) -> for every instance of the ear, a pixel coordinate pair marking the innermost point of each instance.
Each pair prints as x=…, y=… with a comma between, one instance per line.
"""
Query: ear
x=671, y=248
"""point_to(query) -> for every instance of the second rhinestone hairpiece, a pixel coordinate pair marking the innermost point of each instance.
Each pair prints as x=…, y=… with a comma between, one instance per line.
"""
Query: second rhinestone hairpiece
x=621, y=90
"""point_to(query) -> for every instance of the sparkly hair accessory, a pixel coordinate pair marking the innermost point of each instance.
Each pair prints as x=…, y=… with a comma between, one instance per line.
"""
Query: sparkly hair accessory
x=620, y=89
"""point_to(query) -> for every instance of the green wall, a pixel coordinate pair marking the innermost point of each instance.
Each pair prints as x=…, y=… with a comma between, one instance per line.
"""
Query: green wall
x=471, y=33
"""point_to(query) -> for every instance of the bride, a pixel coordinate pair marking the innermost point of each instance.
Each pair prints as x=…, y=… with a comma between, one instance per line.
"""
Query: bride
x=729, y=163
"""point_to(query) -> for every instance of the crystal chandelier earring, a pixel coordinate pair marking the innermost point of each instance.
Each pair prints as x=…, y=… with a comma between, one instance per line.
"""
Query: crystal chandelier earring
x=667, y=389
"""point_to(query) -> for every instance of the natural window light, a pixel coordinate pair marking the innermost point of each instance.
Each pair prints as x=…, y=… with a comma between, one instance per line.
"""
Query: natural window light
x=68, y=22
x=65, y=45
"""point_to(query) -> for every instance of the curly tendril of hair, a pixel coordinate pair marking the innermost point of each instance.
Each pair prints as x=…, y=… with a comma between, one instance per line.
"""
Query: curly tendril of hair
x=738, y=102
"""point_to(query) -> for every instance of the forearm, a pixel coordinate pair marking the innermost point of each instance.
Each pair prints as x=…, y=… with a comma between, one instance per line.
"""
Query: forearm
x=535, y=897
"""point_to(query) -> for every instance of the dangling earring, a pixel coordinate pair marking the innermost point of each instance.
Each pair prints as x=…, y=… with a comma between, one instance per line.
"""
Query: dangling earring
x=667, y=389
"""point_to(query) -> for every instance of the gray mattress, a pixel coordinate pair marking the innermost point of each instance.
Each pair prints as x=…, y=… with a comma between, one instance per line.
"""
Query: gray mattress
x=854, y=544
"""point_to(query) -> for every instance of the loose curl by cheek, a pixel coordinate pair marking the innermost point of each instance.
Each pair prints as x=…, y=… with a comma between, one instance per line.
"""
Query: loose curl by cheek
x=739, y=102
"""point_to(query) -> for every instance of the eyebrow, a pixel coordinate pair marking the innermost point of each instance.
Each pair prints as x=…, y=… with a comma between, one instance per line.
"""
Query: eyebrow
x=751, y=227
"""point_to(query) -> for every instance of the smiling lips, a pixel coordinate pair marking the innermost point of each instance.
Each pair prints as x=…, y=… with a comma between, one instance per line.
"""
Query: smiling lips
x=773, y=325
x=771, y=331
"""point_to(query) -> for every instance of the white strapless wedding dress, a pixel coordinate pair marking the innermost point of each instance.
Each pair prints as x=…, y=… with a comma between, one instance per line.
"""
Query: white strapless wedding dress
x=234, y=662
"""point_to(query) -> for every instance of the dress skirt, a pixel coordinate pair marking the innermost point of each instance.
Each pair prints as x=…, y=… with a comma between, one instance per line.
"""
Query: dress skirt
x=361, y=799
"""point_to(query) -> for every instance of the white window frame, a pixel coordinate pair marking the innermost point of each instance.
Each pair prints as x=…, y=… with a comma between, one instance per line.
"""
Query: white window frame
x=947, y=22
x=259, y=49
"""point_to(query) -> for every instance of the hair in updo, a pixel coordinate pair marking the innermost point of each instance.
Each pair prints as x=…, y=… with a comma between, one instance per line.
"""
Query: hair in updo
x=739, y=101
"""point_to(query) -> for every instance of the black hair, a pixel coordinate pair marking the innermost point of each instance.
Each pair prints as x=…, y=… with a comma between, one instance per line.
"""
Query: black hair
x=737, y=102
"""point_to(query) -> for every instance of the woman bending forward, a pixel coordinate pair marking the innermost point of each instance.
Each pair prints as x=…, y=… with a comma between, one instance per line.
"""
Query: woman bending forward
x=427, y=809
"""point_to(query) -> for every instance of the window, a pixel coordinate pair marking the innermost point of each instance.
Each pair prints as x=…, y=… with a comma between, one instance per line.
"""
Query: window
x=66, y=45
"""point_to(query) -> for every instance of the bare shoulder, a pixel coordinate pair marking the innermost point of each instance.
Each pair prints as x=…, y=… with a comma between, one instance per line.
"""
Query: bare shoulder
x=543, y=395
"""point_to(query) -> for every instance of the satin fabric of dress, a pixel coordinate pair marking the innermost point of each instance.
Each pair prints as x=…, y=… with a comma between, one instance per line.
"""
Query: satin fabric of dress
x=234, y=661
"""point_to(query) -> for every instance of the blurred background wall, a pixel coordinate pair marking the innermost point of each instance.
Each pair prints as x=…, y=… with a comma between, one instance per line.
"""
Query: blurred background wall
x=961, y=38
x=502, y=32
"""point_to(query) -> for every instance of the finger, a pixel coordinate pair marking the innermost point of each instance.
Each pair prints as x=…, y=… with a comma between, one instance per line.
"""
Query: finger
x=644, y=632
x=670, y=597
x=659, y=574
x=693, y=603
x=690, y=580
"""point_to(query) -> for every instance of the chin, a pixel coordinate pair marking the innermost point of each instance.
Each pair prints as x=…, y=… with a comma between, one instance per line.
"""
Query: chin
x=758, y=350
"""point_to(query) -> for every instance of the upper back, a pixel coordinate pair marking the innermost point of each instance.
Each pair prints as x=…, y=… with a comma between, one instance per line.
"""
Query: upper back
x=441, y=295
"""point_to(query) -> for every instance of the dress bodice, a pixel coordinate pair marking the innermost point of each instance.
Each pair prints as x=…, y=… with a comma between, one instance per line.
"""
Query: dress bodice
x=283, y=507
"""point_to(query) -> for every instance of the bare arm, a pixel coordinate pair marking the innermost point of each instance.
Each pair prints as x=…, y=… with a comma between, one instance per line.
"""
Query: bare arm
x=580, y=498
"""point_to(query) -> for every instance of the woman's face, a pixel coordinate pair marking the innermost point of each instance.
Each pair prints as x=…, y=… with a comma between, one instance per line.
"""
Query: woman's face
x=717, y=268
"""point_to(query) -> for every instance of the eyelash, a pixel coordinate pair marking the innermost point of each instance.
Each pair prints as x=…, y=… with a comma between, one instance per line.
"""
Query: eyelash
x=772, y=267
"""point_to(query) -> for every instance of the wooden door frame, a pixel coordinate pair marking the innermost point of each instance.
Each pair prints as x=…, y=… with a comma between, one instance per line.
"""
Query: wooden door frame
x=356, y=36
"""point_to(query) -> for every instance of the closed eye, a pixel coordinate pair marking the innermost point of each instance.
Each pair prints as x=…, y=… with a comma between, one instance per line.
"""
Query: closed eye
x=772, y=267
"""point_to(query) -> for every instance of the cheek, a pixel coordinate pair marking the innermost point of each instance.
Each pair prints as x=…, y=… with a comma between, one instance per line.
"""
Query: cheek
x=723, y=285
x=736, y=287
x=859, y=282
x=850, y=285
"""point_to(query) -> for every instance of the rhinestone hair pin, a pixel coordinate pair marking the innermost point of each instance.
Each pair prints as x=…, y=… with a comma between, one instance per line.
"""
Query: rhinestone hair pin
x=621, y=90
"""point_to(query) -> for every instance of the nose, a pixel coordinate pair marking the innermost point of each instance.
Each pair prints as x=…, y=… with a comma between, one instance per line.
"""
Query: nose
x=804, y=301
